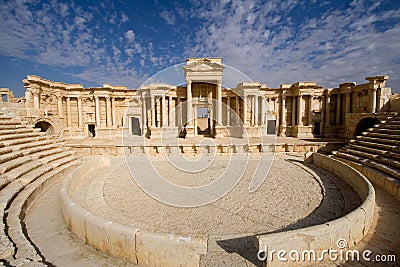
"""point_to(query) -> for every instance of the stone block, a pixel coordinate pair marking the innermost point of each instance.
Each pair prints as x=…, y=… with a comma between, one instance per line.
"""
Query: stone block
x=122, y=242
x=96, y=229
x=77, y=223
x=168, y=249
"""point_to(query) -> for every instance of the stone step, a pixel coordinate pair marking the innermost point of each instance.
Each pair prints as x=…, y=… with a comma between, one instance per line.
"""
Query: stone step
x=378, y=141
x=374, y=157
x=377, y=145
x=367, y=149
x=17, y=212
x=63, y=160
x=20, y=136
x=359, y=153
x=11, y=164
x=393, y=172
x=46, y=152
x=9, y=122
x=393, y=155
x=345, y=155
x=24, y=140
x=54, y=157
x=32, y=145
x=39, y=148
x=7, y=195
x=3, y=118
x=12, y=127
x=387, y=131
x=20, y=170
x=383, y=135
x=389, y=126
x=18, y=131
x=10, y=156
x=390, y=162
x=5, y=150
x=393, y=123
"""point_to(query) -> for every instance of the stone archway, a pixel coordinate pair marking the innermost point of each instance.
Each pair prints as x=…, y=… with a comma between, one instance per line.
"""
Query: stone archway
x=364, y=124
x=45, y=126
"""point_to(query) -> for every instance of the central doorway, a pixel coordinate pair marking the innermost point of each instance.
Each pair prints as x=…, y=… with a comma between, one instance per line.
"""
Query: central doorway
x=203, y=121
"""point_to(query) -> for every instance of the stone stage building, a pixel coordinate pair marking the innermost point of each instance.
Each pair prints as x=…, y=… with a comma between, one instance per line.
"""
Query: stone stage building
x=204, y=107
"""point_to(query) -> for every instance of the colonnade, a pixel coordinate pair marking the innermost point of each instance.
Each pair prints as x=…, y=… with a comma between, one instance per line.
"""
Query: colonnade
x=110, y=110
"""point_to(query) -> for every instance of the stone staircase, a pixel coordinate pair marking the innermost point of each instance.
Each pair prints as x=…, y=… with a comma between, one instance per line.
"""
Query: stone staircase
x=30, y=160
x=377, y=149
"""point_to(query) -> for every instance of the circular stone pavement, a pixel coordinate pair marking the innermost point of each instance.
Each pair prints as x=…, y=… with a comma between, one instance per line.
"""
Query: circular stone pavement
x=289, y=194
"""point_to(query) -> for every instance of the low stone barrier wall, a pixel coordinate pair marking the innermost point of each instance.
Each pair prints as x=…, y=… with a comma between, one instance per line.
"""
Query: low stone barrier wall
x=89, y=149
x=351, y=228
x=122, y=241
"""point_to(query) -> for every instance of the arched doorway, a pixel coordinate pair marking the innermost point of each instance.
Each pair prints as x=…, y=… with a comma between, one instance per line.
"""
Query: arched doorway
x=364, y=124
x=45, y=127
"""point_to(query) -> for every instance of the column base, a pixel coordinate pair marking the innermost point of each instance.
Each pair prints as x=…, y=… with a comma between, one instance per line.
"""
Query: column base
x=190, y=131
x=302, y=131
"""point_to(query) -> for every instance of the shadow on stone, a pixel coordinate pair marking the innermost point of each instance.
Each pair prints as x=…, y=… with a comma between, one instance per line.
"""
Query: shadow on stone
x=244, y=246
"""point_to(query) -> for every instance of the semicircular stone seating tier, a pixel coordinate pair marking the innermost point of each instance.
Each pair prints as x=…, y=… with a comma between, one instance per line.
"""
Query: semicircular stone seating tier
x=29, y=160
x=376, y=154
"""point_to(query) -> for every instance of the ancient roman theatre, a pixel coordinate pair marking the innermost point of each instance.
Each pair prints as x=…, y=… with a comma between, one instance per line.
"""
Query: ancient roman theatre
x=199, y=173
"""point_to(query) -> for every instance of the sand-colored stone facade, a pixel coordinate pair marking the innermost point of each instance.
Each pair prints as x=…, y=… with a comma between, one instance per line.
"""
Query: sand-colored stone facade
x=302, y=109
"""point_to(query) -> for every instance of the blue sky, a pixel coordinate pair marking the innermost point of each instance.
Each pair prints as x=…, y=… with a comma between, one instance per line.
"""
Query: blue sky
x=125, y=42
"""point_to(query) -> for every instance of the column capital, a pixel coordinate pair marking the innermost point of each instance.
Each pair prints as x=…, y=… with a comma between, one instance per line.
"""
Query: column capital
x=188, y=81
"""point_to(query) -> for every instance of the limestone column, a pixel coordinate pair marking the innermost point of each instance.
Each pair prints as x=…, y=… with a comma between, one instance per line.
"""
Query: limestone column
x=299, y=111
x=252, y=111
x=262, y=111
x=163, y=112
x=373, y=101
x=69, y=112
x=323, y=102
x=283, y=116
x=96, y=98
x=80, y=113
x=108, y=111
x=153, y=111
x=219, y=103
x=293, y=111
x=59, y=105
x=378, y=102
x=36, y=103
x=228, y=112
x=310, y=111
x=347, y=103
x=179, y=109
x=256, y=110
x=113, y=111
x=144, y=112
x=189, y=106
x=171, y=115
x=328, y=109
x=245, y=122
x=338, y=109
x=237, y=110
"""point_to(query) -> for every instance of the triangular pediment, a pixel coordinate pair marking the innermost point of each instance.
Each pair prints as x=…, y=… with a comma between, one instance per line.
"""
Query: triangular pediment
x=204, y=66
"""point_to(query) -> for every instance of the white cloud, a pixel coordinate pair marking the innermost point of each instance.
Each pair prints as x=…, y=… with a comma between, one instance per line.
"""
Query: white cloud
x=65, y=35
x=336, y=46
x=130, y=36
x=168, y=16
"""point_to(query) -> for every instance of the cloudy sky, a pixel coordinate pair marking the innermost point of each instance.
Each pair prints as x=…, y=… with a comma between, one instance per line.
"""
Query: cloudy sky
x=125, y=42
